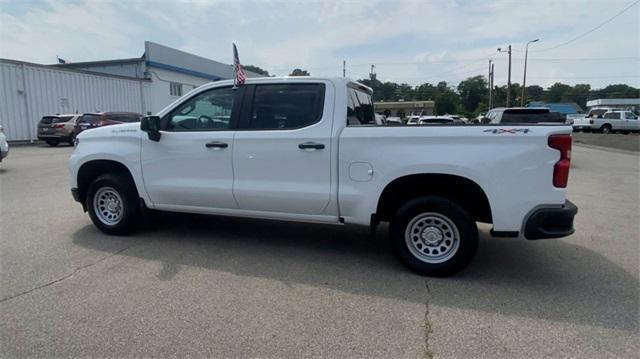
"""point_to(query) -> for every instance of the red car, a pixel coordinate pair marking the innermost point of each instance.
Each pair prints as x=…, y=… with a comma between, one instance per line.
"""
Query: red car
x=93, y=120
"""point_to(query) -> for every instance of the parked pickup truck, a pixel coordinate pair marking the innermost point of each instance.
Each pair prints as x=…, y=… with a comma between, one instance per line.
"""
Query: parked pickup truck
x=308, y=149
x=616, y=121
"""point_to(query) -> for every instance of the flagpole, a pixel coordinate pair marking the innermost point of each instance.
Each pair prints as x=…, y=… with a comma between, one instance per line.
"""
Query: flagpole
x=235, y=68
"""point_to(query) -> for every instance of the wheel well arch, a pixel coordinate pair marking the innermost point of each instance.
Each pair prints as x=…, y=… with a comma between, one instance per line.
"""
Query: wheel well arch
x=92, y=169
x=463, y=191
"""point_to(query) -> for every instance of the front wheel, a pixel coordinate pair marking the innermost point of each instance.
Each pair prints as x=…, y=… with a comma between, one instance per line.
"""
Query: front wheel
x=434, y=236
x=112, y=204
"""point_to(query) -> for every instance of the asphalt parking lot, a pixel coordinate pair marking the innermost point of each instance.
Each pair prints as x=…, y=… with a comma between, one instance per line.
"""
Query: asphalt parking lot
x=222, y=287
x=625, y=142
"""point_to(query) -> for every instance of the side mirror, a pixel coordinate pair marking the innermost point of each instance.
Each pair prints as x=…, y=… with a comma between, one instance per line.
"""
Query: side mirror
x=151, y=125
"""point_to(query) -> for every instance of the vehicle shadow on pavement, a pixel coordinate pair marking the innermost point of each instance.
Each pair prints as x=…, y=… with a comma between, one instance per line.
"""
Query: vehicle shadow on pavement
x=551, y=280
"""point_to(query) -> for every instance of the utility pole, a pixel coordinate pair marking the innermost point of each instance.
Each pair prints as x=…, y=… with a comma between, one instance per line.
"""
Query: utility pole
x=489, y=82
x=372, y=75
x=524, y=77
x=508, y=75
x=344, y=68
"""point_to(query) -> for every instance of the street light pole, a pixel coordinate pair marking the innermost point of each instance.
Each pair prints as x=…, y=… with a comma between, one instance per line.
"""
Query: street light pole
x=508, y=75
x=524, y=77
x=489, y=82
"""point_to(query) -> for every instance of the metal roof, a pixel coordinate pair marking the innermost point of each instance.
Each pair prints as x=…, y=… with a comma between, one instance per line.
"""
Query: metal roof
x=561, y=107
x=614, y=102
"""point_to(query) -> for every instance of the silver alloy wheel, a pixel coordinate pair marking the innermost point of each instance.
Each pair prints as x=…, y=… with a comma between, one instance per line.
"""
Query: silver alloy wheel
x=107, y=205
x=432, y=237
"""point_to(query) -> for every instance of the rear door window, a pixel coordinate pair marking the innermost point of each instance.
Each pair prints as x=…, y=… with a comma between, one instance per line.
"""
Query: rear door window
x=612, y=115
x=283, y=107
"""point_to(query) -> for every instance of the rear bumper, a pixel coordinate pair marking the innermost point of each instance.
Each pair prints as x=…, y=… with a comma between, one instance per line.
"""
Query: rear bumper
x=551, y=222
x=62, y=138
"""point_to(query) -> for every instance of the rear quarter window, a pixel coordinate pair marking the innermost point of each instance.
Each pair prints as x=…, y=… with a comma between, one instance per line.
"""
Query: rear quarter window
x=360, y=109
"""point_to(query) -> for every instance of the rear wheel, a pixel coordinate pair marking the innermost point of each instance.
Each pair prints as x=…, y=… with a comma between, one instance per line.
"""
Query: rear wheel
x=52, y=142
x=605, y=129
x=434, y=236
x=112, y=204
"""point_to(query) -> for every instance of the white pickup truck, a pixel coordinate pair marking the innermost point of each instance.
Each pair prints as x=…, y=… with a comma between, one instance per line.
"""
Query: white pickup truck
x=616, y=121
x=308, y=149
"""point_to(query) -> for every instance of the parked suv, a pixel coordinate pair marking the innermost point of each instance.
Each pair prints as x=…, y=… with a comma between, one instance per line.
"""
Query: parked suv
x=56, y=129
x=93, y=120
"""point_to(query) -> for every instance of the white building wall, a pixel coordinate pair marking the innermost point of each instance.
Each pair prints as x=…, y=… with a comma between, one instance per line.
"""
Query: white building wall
x=29, y=92
x=158, y=91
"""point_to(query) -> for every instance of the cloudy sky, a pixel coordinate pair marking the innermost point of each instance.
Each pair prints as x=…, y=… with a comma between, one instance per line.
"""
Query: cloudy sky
x=407, y=41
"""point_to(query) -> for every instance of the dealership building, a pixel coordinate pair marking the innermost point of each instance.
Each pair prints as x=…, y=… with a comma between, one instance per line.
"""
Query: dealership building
x=143, y=84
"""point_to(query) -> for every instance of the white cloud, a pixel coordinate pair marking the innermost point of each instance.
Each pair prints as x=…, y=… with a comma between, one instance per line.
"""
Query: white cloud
x=281, y=35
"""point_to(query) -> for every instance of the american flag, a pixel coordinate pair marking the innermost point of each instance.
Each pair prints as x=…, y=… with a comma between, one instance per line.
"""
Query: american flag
x=241, y=77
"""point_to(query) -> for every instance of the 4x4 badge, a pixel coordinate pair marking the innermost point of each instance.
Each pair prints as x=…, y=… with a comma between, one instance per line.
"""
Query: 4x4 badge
x=507, y=130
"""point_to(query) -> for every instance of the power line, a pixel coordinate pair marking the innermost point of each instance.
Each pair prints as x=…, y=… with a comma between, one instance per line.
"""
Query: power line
x=587, y=77
x=590, y=31
x=453, y=61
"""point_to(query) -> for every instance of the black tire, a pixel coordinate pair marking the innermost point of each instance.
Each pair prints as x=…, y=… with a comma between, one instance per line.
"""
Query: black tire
x=52, y=143
x=72, y=140
x=606, y=129
x=129, y=217
x=423, y=209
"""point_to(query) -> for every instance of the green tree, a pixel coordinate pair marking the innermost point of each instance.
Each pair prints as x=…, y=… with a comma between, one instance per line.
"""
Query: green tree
x=426, y=92
x=472, y=91
x=299, y=72
x=406, y=92
x=534, y=93
x=447, y=102
x=579, y=94
x=256, y=69
x=557, y=92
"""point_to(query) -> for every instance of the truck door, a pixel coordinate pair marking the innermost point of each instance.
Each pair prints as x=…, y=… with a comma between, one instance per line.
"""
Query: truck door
x=191, y=164
x=615, y=119
x=631, y=121
x=282, y=150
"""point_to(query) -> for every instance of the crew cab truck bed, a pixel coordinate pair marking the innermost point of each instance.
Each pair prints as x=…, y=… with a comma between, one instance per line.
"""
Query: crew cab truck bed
x=309, y=149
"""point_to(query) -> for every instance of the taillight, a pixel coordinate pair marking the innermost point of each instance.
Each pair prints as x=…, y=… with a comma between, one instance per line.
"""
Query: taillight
x=561, y=143
x=58, y=125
